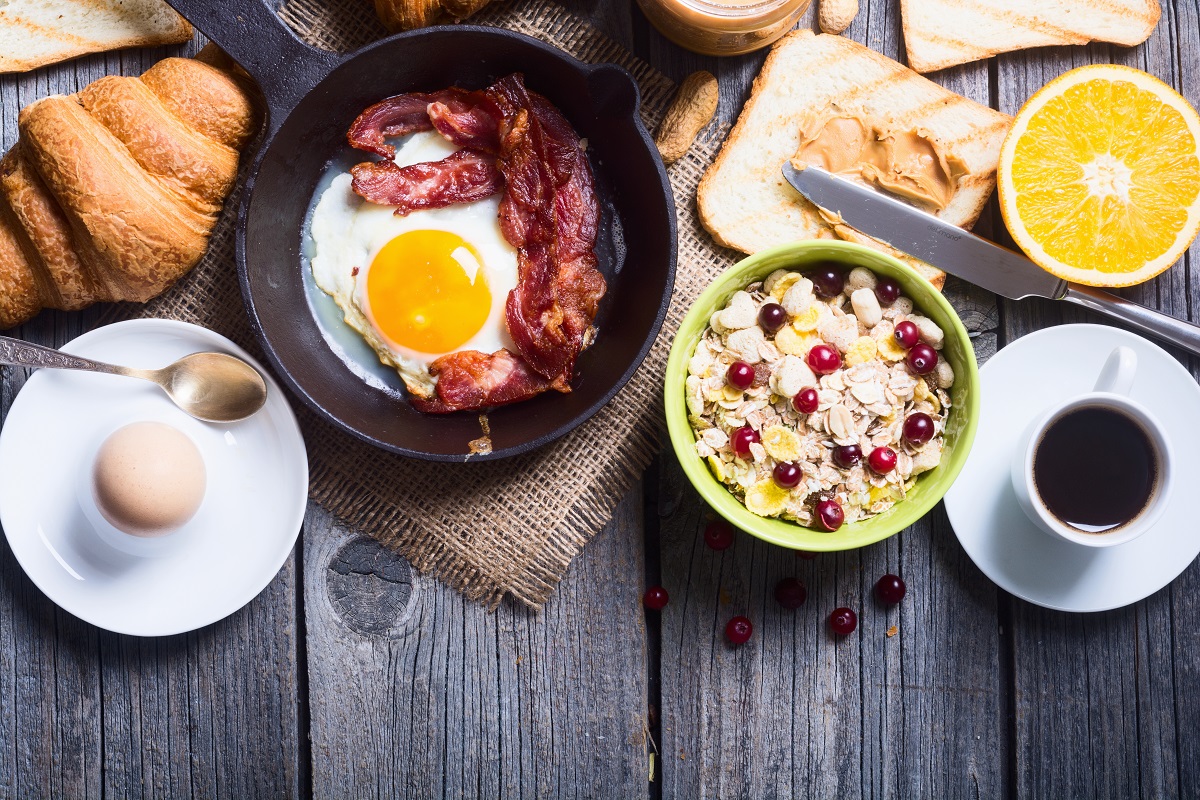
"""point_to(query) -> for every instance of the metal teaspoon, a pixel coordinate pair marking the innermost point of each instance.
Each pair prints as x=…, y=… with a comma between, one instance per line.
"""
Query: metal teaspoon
x=213, y=387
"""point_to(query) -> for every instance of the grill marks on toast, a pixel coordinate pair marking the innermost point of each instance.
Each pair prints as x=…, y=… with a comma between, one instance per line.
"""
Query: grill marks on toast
x=932, y=39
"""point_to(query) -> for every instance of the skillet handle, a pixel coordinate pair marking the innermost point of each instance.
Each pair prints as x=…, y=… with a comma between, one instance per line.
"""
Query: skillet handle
x=285, y=67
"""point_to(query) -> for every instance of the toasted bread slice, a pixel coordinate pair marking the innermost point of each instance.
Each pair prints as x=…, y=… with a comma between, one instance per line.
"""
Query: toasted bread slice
x=34, y=33
x=942, y=33
x=743, y=199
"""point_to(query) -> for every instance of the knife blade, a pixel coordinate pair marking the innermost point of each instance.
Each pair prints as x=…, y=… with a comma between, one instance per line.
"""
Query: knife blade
x=970, y=257
x=920, y=234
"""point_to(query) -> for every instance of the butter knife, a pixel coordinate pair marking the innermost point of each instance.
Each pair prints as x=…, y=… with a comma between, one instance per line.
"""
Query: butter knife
x=971, y=257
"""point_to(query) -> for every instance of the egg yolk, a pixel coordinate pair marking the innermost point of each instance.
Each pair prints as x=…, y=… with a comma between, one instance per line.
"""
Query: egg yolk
x=427, y=291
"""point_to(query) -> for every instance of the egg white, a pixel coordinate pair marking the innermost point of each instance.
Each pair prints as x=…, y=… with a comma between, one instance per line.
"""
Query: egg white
x=348, y=232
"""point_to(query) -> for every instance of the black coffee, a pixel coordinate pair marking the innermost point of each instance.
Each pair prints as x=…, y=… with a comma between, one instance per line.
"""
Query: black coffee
x=1095, y=469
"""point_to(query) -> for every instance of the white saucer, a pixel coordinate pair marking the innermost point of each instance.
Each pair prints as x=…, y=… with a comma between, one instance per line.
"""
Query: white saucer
x=233, y=547
x=1020, y=381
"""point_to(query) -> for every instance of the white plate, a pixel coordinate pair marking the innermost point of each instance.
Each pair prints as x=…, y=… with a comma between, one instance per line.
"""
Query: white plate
x=1019, y=382
x=233, y=547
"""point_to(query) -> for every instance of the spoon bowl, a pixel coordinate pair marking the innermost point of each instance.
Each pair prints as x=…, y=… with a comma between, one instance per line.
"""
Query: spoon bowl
x=213, y=387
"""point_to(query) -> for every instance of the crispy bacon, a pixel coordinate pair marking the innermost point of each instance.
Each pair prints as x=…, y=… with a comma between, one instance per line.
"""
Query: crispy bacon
x=462, y=177
x=548, y=213
x=472, y=380
x=463, y=117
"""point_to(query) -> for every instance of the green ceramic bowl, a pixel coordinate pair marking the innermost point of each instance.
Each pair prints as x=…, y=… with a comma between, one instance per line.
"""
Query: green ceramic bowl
x=960, y=426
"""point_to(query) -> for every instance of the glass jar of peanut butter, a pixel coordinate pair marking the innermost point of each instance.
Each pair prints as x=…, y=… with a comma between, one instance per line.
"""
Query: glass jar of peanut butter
x=723, y=27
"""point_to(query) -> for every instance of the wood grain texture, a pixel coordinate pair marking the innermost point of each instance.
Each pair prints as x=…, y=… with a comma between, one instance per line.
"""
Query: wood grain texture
x=1112, y=685
x=87, y=714
x=441, y=699
x=406, y=690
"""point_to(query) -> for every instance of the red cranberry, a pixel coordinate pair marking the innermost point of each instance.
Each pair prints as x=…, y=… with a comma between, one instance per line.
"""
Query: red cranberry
x=787, y=474
x=718, y=534
x=887, y=291
x=806, y=555
x=655, y=598
x=922, y=359
x=907, y=334
x=772, y=317
x=882, y=460
x=827, y=281
x=738, y=630
x=843, y=621
x=790, y=593
x=807, y=401
x=830, y=515
x=740, y=375
x=847, y=455
x=890, y=589
x=823, y=359
x=741, y=440
x=918, y=428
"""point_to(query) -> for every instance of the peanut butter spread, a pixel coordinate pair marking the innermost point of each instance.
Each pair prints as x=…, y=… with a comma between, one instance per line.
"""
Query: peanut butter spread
x=908, y=163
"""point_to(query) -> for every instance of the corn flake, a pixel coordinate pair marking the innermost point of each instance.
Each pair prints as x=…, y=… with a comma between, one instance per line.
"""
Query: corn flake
x=863, y=350
x=766, y=498
x=781, y=443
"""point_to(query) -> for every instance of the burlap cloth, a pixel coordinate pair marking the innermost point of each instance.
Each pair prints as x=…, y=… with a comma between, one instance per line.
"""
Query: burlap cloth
x=494, y=528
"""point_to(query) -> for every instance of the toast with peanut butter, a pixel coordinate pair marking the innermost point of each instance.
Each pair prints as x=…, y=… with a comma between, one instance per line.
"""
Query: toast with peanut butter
x=942, y=33
x=829, y=101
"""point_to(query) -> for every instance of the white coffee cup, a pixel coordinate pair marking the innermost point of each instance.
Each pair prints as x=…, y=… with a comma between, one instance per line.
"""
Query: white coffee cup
x=1110, y=392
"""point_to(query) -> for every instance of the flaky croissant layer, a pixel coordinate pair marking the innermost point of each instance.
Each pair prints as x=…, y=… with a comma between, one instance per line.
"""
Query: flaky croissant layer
x=111, y=193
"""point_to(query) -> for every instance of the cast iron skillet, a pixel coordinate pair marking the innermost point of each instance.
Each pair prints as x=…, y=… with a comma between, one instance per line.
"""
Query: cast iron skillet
x=312, y=96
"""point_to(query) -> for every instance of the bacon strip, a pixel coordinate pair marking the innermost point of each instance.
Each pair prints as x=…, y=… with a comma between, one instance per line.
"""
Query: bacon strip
x=462, y=177
x=463, y=117
x=470, y=380
x=550, y=214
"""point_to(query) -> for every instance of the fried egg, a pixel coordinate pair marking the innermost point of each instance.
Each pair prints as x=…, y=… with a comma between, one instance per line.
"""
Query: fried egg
x=420, y=286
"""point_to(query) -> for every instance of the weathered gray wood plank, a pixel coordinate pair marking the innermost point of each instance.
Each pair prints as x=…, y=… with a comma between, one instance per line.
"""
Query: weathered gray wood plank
x=85, y=713
x=1107, y=690
x=797, y=712
x=416, y=692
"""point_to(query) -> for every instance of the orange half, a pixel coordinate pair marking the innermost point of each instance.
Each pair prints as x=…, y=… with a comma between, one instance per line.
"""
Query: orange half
x=1099, y=178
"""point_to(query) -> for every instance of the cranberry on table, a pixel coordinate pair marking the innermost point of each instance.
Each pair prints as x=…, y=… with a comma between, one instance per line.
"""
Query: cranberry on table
x=918, y=428
x=740, y=375
x=655, y=598
x=790, y=593
x=772, y=317
x=847, y=455
x=823, y=359
x=787, y=475
x=890, y=589
x=843, y=621
x=922, y=359
x=738, y=630
x=741, y=440
x=718, y=534
x=830, y=515
x=907, y=334
x=882, y=460
x=887, y=291
x=827, y=281
x=807, y=401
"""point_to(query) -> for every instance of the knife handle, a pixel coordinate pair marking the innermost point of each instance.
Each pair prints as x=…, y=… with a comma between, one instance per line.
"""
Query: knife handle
x=1147, y=320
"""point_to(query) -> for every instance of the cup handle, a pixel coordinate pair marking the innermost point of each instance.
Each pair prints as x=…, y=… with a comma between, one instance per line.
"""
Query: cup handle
x=1118, y=372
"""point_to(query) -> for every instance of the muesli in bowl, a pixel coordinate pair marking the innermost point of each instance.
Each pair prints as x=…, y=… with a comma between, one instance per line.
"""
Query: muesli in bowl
x=819, y=396
x=953, y=411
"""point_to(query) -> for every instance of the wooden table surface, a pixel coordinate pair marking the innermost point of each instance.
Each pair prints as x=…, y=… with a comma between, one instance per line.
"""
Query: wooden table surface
x=351, y=676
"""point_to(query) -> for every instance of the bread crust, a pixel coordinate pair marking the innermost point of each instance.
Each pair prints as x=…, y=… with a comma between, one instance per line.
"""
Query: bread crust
x=111, y=194
x=743, y=200
x=930, y=27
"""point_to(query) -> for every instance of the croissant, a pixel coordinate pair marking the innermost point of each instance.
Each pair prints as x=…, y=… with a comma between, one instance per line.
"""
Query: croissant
x=405, y=15
x=111, y=193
